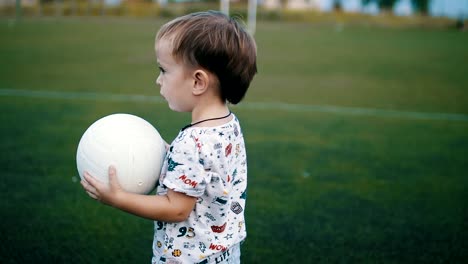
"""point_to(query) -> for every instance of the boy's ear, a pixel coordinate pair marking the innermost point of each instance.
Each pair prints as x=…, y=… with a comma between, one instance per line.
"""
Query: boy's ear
x=201, y=81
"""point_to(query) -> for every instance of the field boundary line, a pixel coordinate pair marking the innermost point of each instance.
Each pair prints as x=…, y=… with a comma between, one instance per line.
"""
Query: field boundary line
x=358, y=111
x=342, y=110
x=80, y=95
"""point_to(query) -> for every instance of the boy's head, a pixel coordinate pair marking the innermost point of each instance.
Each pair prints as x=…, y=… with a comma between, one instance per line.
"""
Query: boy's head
x=218, y=44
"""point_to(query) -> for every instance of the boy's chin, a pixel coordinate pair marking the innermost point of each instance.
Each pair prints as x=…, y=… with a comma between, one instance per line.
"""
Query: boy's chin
x=175, y=108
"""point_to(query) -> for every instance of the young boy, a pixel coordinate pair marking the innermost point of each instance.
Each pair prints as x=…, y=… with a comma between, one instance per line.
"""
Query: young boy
x=206, y=61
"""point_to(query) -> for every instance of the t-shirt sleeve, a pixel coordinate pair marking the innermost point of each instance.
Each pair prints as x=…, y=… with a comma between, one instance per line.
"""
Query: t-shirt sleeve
x=185, y=173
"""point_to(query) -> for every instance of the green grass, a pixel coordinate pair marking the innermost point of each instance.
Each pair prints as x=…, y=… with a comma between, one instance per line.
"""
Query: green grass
x=323, y=187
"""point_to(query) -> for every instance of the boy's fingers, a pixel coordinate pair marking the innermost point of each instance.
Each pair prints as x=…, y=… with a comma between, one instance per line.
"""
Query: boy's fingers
x=87, y=177
x=112, y=172
x=83, y=183
x=92, y=195
x=90, y=190
x=87, y=186
x=91, y=180
x=113, y=180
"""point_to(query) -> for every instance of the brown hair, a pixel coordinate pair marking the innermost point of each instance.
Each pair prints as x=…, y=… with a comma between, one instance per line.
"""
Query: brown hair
x=218, y=44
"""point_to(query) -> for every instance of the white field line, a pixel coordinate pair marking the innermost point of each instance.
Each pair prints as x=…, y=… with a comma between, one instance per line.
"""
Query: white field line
x=341, y=110
x=80, y=95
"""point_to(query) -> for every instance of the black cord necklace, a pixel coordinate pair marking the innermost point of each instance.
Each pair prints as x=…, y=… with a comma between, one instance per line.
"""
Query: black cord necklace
x=204, y=120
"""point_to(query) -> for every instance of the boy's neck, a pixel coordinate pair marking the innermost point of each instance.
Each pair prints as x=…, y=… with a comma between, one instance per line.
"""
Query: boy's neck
x=210, y=110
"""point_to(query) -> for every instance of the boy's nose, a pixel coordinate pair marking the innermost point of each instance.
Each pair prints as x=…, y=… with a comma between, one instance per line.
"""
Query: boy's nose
x=158, y=80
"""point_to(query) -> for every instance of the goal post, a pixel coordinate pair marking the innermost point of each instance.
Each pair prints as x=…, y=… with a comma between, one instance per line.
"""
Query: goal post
x=251, y=13
x=252, y=16
x=224, y=6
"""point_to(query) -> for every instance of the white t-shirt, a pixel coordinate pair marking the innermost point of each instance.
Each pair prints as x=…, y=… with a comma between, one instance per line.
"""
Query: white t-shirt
x=209, y=163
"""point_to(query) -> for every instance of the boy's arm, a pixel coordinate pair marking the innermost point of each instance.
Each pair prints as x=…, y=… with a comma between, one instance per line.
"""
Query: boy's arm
x=173, y=207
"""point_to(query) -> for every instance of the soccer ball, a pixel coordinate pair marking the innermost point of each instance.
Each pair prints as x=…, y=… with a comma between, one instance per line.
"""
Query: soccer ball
x=128, y=142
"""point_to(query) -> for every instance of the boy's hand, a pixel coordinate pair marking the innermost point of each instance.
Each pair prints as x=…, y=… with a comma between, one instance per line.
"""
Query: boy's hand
x=105, y=193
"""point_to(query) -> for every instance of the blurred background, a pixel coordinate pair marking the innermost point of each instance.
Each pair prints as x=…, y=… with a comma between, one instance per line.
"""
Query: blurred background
x=455, y=9
x=356, y=127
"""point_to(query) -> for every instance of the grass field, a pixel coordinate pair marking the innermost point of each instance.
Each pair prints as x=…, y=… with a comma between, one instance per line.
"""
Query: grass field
x=333, y=177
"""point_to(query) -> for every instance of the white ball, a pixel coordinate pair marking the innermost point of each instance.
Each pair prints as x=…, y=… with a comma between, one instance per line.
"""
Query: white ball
x=128, y=142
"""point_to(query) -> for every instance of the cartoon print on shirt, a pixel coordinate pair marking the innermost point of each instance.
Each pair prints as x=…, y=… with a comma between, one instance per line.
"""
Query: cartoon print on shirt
x=169, y=242
x=209, y=164
x=181, y=136
x=219, y=229
x=210, y=216
x=160, y=225
x=202, y=247
x=218, y=146
x=172, y=164
x=241, y=224
x=196, y=138
x=189, y=246
x=220, y=201
x=228, y=150
x=236, y=130
x=236, y=207
x=234, y=174
x=236, y=182
x=176, y=253
x=187, y=232
x=198, y=143
x=187, y=181
x=217, y=247
x=238, y=150
x=243, y=195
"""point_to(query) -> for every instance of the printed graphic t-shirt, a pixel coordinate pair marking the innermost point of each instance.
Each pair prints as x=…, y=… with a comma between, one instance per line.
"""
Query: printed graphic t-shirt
x=209, y=163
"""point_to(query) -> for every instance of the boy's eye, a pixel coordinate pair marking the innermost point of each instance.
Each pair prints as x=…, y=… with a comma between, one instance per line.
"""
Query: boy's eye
x=161, y=69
